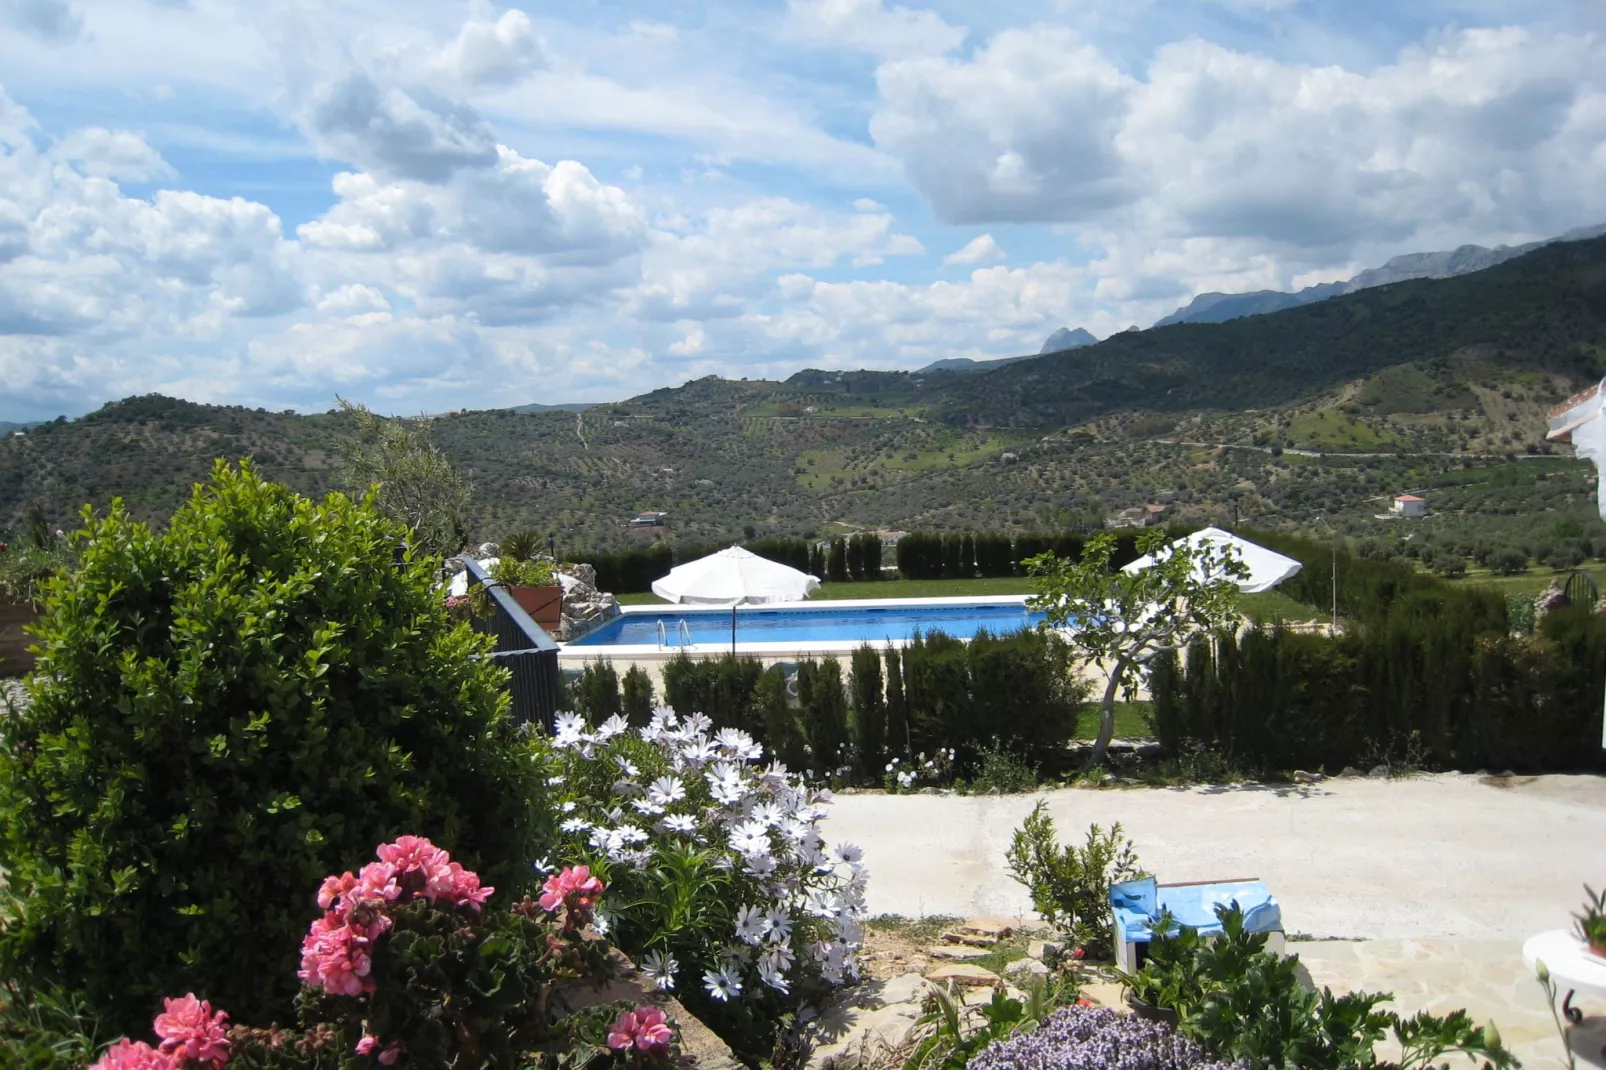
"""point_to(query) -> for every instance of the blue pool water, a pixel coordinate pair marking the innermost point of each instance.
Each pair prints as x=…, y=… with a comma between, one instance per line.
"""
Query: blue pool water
x=848, y=624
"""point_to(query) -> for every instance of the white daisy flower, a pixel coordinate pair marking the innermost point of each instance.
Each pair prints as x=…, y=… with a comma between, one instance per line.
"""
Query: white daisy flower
x=613, y=726
x=628, y=768
x=750, y=925
x=661, y=968
x=725, y=783
x=647, y=808
x=722, y=983
x=849, y=852
x=699, y=722
x=698, y=752
x=739, y=745
x=666, y=790
x=681, y=823
x=778, y=925
x=568, y=730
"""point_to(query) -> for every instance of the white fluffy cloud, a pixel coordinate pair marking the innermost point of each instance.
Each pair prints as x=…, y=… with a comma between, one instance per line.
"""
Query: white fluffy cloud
x=488, y=53
x=718, y=265
x=871, y=26
x=571, y=208
x=407, y=132
x=1498, y=131
x=1026, y=130
x=977, y=250
x=115, y=154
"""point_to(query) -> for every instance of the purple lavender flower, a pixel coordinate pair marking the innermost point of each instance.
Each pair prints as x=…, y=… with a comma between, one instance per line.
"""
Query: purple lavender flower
x=1096, y=1038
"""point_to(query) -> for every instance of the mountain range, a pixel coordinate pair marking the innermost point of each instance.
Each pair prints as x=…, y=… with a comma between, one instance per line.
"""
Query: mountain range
x=1061, y=340
x=1220, y=307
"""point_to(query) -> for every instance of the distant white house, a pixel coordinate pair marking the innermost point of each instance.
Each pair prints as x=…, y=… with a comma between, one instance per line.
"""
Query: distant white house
x=1410, y=505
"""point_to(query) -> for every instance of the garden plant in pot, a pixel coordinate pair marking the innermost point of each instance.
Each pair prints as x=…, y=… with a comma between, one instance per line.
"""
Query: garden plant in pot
x=1591, y=924
x=534, y=586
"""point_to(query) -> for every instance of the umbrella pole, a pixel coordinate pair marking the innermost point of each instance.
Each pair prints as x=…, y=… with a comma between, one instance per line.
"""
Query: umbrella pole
x=733, y=630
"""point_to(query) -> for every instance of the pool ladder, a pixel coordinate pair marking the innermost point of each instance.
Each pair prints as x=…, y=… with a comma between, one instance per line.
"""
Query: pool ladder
x=682, y=633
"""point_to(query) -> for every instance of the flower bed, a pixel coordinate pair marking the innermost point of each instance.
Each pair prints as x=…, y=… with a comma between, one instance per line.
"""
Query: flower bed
x=721, y=883
x=409, y=966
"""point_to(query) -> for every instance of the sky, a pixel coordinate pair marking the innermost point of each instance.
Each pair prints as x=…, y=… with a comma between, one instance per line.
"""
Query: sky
x=436, y=205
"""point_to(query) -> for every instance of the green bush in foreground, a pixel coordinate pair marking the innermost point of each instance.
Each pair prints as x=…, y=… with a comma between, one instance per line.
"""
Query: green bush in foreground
x=224, y=713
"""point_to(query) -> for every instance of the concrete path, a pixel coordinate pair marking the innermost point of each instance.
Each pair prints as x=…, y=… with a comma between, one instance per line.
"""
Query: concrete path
x=1437, y=856
x=1423, y=887
x=1485, y=978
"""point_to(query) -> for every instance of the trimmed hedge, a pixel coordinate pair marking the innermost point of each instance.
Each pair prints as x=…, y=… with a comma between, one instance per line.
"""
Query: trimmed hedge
x=1437, y=682
x=937, y=693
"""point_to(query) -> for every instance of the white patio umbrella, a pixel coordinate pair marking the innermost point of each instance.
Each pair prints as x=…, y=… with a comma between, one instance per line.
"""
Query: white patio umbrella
x=1267, y=568
x=734, y=577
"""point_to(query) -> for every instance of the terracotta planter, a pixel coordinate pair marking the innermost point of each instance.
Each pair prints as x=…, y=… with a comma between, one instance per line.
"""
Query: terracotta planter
x=14, y=642
x=1163, y=1015
x=543, y=604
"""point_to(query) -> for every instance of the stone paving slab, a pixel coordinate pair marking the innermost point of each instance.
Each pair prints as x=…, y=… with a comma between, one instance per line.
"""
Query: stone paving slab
x=1486, y=977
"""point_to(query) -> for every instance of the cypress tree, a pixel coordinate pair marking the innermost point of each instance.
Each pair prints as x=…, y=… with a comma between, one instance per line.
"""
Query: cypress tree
x=897, y=709
x=837, y=564
x=638, y=696
x=869, y=709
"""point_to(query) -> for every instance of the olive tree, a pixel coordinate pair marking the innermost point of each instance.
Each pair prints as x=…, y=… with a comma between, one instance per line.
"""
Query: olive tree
x=1119, y=619
x=414, y=481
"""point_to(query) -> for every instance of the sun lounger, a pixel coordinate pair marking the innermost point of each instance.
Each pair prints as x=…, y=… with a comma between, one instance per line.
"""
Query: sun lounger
x=1138, y=904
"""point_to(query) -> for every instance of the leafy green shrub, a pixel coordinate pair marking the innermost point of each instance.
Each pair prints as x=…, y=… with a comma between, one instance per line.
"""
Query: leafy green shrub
x=1243, y=1002
x=1003, y=771
x=24, y=568
x=226, y=710
x=1070, y=885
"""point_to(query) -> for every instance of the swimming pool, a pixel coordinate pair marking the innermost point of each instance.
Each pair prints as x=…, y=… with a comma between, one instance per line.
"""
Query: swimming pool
x=845, y=623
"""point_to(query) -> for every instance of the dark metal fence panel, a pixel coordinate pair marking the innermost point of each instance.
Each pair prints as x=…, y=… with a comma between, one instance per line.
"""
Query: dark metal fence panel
x=524, y=648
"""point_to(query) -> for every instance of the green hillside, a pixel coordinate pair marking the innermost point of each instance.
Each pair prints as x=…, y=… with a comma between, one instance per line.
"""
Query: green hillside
x=1437, y=387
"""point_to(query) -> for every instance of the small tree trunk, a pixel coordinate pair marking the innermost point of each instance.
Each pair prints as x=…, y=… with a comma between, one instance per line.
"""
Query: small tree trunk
x=1107, y=715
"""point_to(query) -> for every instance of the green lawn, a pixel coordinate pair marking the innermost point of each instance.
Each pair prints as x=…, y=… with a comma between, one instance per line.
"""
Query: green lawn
x=1533, y=581
x=1274, y=605
x=1131, y=721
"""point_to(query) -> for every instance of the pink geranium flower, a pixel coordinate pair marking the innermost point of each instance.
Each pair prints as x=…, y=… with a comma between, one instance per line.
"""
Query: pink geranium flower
x=189, y=1030
x=574, y=886
x=643, y=1030
x=419, y=865
x=337, y=955
x=465, y=889
x=133, y=1055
